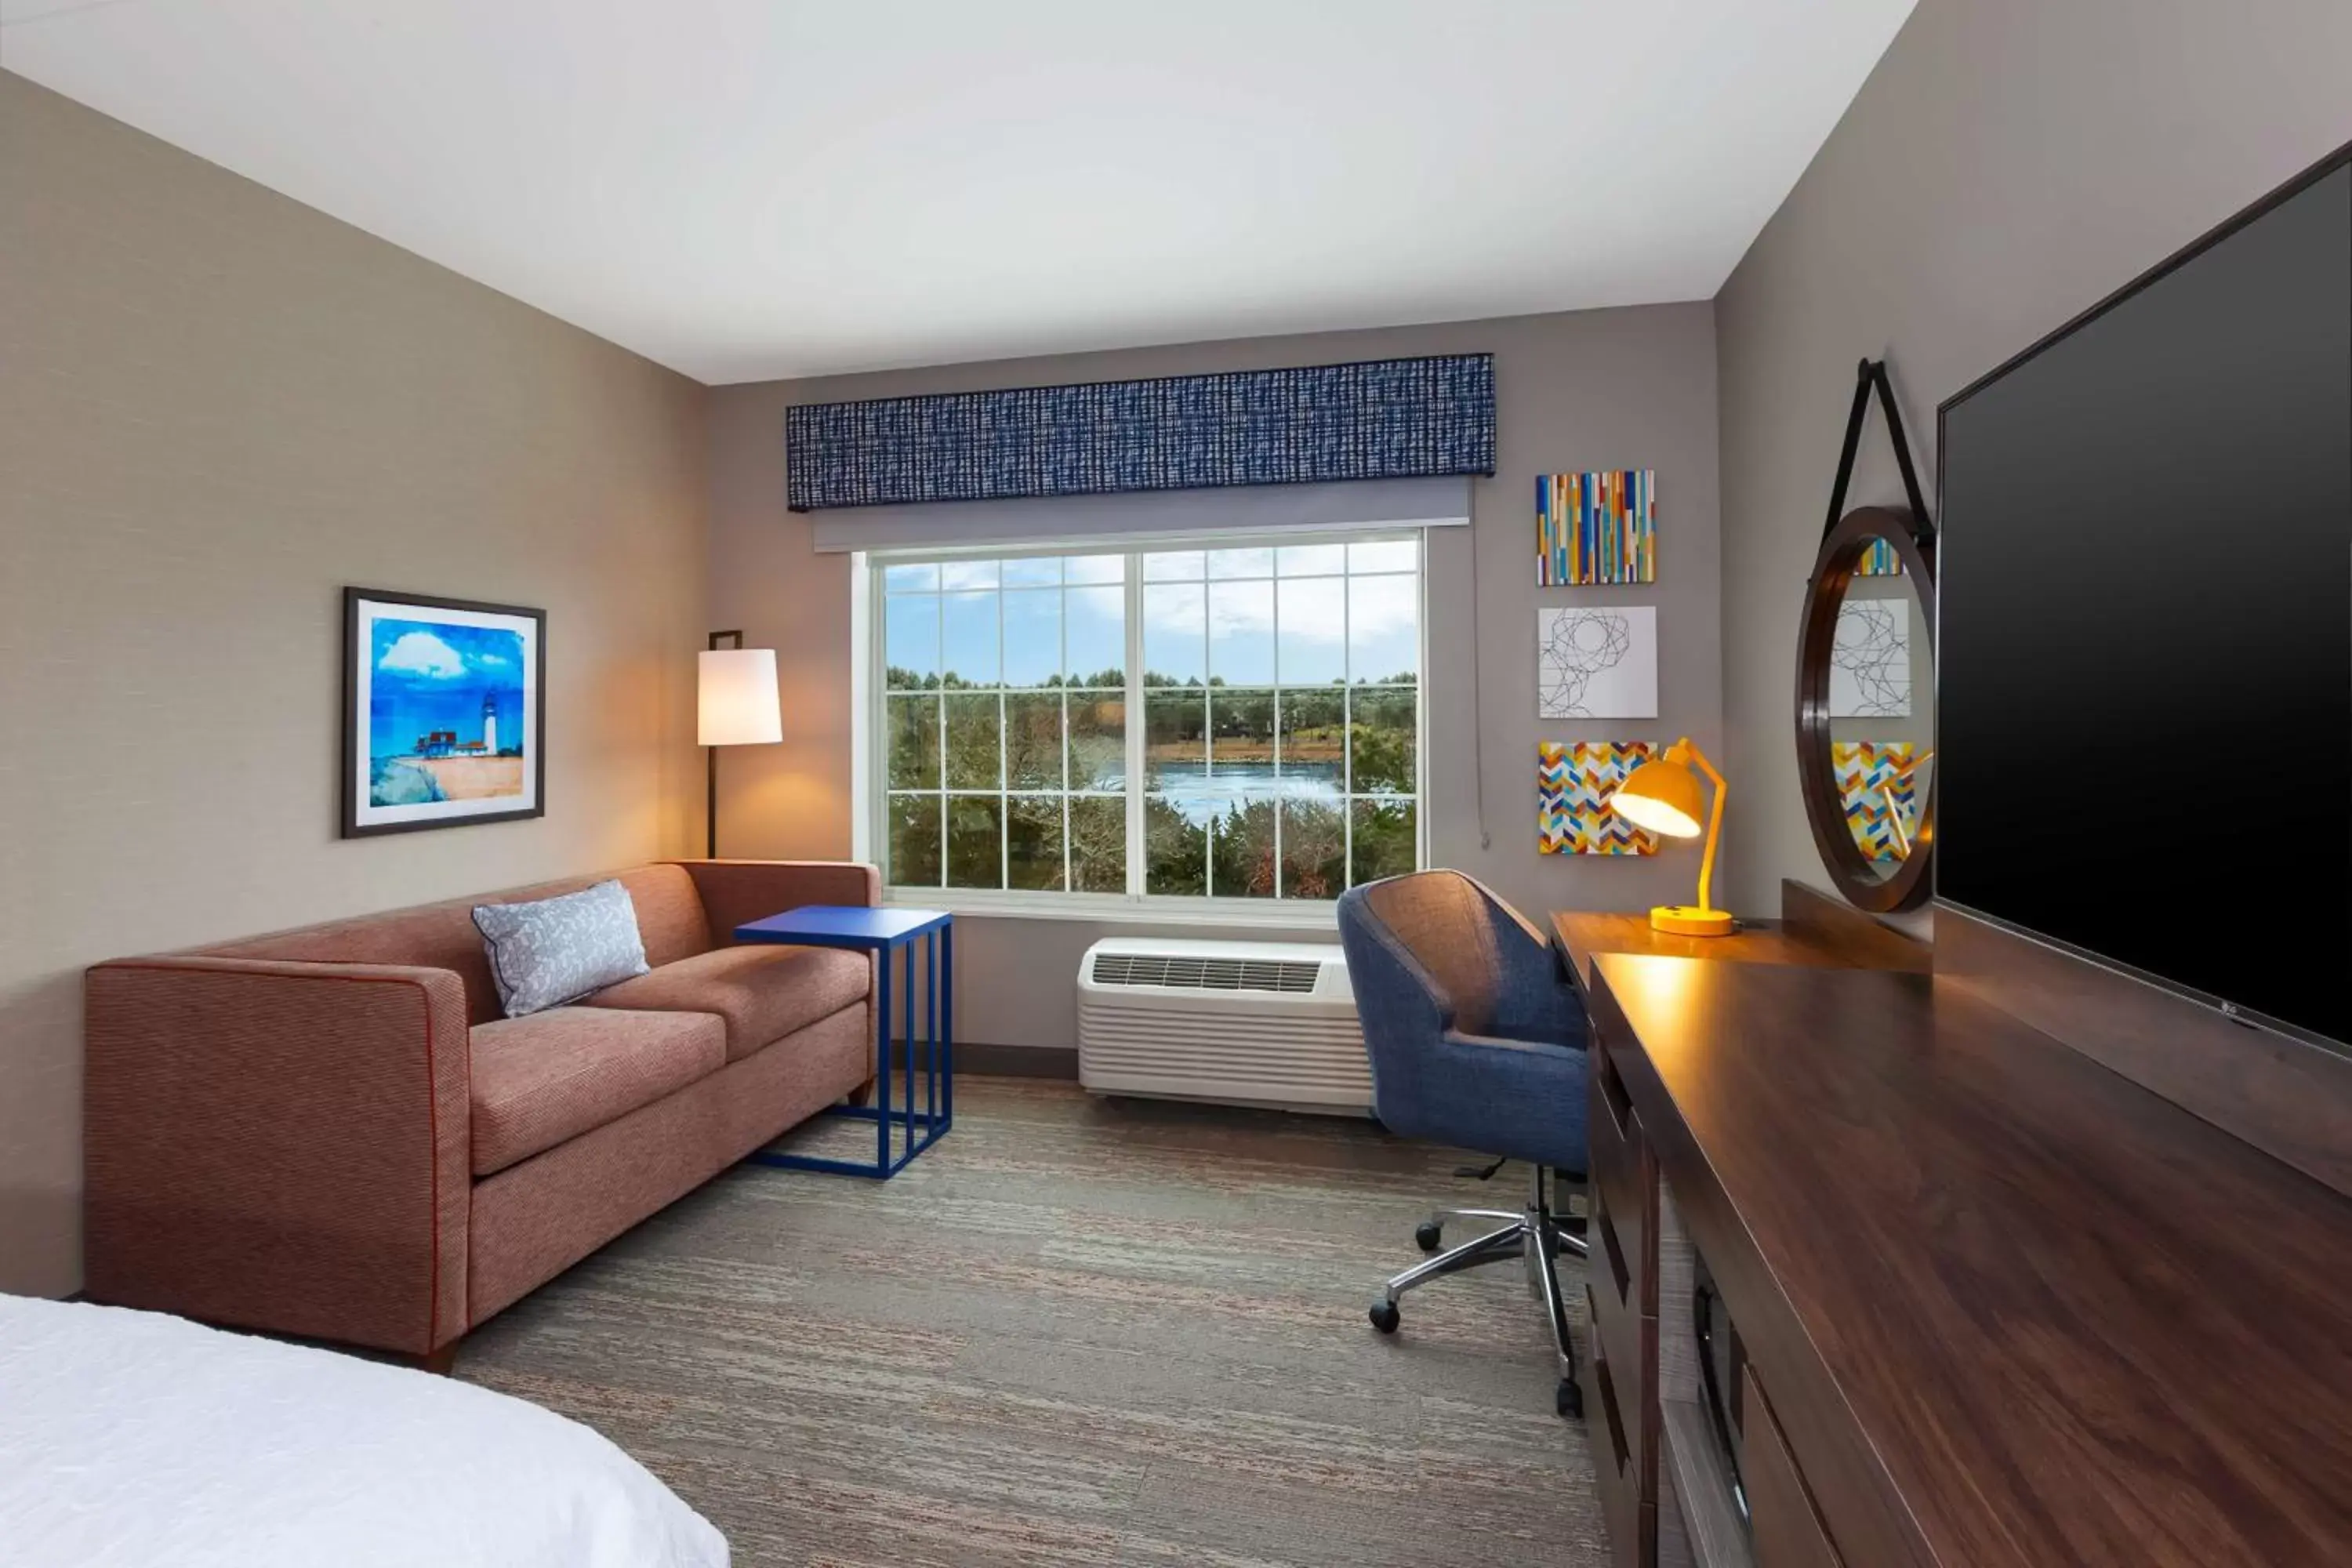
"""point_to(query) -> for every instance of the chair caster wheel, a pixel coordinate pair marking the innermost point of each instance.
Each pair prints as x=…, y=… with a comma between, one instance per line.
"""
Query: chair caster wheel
x=1570, y=1400
x=1427, y=1235
x=1385, y=1317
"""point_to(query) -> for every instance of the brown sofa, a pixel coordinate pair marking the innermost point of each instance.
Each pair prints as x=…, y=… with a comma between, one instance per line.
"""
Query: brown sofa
x=334, y=1132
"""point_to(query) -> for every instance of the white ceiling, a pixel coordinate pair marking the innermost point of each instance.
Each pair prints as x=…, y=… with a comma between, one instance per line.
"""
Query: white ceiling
x=747, y=189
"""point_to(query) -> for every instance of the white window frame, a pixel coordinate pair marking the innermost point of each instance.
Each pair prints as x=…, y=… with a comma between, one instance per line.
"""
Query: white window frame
x=869, y=784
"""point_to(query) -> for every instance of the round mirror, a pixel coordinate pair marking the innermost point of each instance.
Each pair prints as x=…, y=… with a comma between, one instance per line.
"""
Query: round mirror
x=1866, y=707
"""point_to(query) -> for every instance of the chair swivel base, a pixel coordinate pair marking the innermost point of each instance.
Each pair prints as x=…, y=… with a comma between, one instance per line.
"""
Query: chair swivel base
x=1532, y=1235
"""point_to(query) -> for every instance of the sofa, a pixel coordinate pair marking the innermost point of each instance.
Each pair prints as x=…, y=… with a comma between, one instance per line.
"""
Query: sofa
x=335, y=1133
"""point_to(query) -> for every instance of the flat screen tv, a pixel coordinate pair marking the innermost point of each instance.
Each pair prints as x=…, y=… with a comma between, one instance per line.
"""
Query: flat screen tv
x=2144, y=630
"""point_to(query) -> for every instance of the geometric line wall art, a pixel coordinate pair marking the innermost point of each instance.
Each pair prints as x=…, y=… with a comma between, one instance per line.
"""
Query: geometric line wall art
x=1870, y=659
x=1868, y=773
x=1596, y=527
x=1598, y=661
x=1574, y=780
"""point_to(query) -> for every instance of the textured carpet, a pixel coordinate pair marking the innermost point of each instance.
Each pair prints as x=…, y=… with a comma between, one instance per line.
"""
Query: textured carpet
x=1074, y=1332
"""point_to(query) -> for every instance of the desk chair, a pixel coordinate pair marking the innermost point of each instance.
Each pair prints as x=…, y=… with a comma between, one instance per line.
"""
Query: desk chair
x=1478, y=1041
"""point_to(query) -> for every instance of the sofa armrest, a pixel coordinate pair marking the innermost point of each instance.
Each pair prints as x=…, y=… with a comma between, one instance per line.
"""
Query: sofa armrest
x=735, y=891
x=281, y=1146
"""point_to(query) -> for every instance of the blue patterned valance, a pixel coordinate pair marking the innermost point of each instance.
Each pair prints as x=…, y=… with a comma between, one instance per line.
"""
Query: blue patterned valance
x=1385, y=419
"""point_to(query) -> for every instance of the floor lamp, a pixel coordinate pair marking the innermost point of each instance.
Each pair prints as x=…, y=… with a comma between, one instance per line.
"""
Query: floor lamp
x=736, y=705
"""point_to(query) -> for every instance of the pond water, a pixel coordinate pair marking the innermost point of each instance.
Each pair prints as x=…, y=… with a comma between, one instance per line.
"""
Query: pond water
x=1201, y=794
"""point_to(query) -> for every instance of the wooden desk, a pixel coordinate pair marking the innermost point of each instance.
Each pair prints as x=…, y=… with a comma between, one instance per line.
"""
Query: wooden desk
x=1999, y=1305
x=1643, y=1277
x=1812, y=930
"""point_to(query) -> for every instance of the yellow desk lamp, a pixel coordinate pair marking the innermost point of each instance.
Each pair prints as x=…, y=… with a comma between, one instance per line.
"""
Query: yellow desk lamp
x=1662, y=796
x=1894, y=806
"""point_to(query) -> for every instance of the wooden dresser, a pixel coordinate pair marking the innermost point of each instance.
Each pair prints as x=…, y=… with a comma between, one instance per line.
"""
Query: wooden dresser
x=1996, y=1303
x=1640, y=1358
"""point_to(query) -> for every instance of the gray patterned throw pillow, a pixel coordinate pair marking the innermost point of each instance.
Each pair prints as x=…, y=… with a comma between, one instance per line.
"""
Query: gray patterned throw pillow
x=558, y=949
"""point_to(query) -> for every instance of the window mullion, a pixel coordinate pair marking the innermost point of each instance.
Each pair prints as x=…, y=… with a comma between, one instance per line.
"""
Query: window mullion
x=1135, y=751
x=1062, y=663
x=939, y=718
x=1420, y=703
x=1347, y=734
x=1004, y=755
x=1281, y=798
x=877, y=722
x=1208, y=745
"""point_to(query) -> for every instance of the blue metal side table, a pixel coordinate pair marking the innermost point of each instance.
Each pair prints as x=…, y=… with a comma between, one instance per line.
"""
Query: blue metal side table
x=887, y=933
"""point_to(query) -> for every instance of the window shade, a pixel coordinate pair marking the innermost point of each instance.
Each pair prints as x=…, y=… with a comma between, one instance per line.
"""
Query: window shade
x=1269, y=508
x=1382, y=419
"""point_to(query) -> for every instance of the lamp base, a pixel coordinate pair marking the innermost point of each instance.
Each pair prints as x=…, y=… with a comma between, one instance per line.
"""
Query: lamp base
x=1686, y=919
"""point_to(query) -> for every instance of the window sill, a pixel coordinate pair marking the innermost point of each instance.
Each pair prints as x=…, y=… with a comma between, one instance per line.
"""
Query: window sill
x=1110, y=909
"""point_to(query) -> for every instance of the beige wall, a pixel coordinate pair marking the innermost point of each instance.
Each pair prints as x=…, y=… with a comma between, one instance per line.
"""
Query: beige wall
x=217, y=408
x=1621, y=388
x=2008, y=163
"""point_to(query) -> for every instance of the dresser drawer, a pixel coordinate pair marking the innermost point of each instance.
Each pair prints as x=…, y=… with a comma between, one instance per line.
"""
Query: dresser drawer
x=1624, y=1186
x=1613, y=1266
x=1612, y=1432
x=1785, y=1529
x=1628, y=1342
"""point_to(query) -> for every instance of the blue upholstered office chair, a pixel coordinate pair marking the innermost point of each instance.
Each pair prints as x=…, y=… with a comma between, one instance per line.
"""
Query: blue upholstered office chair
x=1476, y=1041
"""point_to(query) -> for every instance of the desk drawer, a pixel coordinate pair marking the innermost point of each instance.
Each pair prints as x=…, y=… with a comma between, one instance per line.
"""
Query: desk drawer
x=1613, y=1432
x=1785, y=1529
x=1625, y=1186
x=1628, y=1342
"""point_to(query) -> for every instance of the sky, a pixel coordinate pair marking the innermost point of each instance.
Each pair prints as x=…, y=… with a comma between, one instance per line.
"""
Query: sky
x=1206, y=616
x=426, y=676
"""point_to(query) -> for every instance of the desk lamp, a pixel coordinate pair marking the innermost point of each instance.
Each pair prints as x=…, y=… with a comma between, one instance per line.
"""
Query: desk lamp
x=1900, y=776
x=1662, y=796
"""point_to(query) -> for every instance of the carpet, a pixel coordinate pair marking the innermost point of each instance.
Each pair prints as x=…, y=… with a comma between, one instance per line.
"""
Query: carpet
x=1075, y=1332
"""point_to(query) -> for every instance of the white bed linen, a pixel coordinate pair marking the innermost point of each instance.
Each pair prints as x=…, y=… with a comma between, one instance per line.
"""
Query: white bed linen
x=148, y=1441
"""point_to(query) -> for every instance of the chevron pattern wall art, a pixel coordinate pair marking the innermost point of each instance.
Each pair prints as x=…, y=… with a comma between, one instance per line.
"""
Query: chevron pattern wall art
x=1867, y=773
x=1574, y=780
x=1597, y=527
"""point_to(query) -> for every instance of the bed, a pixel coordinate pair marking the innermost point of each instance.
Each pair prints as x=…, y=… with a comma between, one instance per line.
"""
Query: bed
x=134, y=1438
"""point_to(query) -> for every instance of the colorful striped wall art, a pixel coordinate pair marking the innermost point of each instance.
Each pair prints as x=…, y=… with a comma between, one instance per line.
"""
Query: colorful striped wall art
x=1879, y=560
x=1596, y=527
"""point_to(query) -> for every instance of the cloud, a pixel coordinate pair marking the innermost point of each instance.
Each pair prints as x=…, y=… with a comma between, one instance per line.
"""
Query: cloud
x=422, y=653
x=1381, y=606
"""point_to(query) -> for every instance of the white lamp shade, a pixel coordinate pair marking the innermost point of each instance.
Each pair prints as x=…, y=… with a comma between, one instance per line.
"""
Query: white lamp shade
x=737, y=705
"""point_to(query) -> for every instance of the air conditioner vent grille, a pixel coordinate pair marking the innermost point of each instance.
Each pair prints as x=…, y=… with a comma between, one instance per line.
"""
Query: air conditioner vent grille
x=1205, y=973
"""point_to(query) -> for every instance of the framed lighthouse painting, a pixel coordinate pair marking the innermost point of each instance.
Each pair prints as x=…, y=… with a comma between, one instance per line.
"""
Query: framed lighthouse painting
x=443, y=719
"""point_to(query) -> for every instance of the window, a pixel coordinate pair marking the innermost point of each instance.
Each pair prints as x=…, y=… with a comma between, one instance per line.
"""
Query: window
x=1236, y=721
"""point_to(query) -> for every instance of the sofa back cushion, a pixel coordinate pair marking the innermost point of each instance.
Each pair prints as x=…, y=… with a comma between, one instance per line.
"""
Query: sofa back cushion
x=442, y=936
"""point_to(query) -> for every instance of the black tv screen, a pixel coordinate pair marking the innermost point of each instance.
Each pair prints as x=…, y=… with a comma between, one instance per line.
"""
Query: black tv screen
x=2144, y=625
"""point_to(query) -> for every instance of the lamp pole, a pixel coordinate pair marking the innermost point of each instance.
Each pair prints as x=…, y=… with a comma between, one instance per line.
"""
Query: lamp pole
x=710, y=810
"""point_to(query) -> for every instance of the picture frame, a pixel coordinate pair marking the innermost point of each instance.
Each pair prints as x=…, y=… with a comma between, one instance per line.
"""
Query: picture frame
x=445, y=724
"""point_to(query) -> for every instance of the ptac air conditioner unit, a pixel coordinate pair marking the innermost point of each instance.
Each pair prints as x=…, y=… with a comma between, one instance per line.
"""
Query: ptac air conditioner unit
x=1248, y=1022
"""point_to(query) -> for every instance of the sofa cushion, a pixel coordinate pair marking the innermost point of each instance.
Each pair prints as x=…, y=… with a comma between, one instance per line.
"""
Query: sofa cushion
x=541, y=1079
x=443, y=936
x=553, y=951
x=763, y=993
